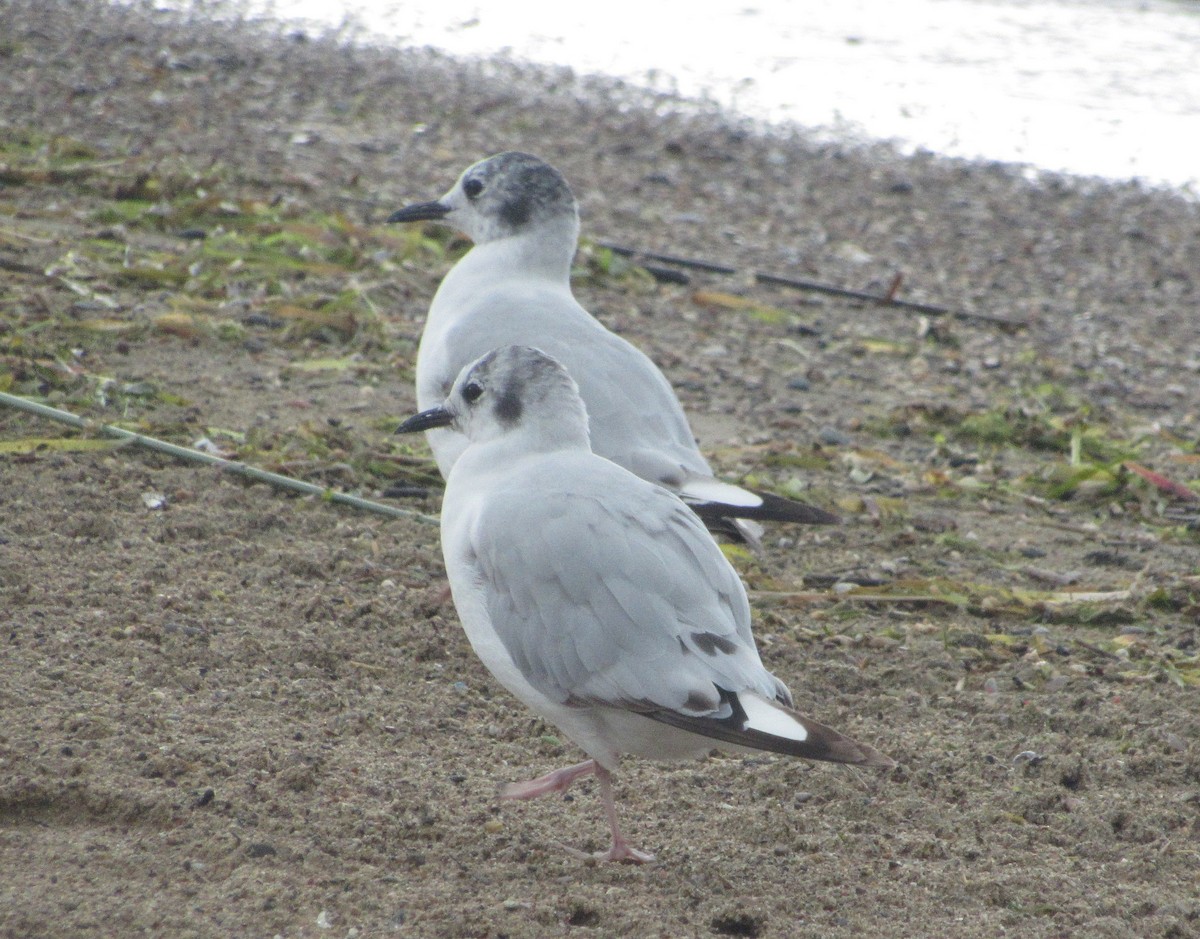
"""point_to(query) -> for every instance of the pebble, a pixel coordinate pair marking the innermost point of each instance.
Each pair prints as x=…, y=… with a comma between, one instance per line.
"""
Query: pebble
x=154, y=500
x=832, y=436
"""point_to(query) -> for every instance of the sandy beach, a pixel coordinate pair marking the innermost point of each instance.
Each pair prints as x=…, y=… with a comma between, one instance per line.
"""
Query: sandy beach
x=233, y=711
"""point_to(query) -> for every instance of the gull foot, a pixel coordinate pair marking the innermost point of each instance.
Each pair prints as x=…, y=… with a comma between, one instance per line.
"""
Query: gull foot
x=622, y=852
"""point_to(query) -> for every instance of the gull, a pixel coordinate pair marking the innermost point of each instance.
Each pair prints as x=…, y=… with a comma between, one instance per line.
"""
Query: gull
x=598, y=598
x=514, y=286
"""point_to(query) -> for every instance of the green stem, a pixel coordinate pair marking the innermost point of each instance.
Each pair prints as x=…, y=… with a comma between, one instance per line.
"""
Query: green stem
x=197, y=456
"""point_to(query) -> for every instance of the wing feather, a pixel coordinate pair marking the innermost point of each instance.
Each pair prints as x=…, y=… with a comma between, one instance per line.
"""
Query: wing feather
x=612, y=592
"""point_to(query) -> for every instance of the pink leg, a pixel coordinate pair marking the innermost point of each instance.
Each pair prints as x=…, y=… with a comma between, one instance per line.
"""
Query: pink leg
x=557, y=781
x=620, y=850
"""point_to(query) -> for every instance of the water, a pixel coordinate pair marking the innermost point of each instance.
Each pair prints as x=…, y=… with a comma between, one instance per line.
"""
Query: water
x=1099, y=88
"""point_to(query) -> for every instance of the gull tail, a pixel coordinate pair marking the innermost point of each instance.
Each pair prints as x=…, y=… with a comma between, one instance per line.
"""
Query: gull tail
x=749, y=720
x=712, y=499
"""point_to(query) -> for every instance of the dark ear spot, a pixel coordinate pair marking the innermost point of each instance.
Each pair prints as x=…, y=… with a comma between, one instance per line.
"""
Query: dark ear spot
x=508, y=408
x=516, y=211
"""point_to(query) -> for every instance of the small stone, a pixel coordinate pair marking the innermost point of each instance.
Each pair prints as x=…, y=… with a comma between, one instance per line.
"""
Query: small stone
x=860, y=475
x=154, y=500
x=799, y=384
x=204, y=445
x=934, y=524
x=1172, y=740
x=832, y=436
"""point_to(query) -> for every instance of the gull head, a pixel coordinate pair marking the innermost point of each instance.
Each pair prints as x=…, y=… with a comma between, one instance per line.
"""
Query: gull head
x=509, y=391
x=503, y=196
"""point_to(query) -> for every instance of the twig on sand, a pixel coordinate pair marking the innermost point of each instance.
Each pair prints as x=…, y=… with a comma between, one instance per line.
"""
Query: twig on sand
x=198, y=456
x=776, y=280
x=817, y=596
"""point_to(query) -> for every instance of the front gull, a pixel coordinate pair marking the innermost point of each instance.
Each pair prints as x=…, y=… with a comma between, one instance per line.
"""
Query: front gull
x=598, y=598
x=514, y=286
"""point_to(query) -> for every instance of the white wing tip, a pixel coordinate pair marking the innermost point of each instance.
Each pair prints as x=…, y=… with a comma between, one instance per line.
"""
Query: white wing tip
x=767, y=718
x=708, y=489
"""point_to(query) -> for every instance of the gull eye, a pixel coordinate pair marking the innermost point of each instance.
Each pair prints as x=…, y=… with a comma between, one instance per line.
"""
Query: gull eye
x=472, y=392
x=472, y=187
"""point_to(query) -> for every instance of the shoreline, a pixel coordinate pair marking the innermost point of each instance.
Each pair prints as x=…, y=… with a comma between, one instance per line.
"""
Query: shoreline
x=936, y=118
x=235, y=712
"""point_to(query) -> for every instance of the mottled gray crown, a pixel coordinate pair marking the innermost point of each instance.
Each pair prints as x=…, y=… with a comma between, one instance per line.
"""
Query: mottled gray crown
x=518, y=378
x=517, y=188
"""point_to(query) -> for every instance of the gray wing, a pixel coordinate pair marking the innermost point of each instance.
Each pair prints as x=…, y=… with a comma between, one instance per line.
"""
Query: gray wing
x=616, y=595
x=634, y=416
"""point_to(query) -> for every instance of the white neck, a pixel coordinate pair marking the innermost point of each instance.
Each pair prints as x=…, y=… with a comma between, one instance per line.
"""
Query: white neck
x=506, y=453
x=546, y=251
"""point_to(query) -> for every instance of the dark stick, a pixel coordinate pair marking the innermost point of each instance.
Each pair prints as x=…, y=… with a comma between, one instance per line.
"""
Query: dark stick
x=797, y=284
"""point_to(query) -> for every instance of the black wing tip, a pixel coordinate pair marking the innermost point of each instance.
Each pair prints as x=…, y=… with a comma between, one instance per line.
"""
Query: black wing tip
x=821, y=743
x=827, y=745
x=779, y=509
x=859, y=754
x=773, y=509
